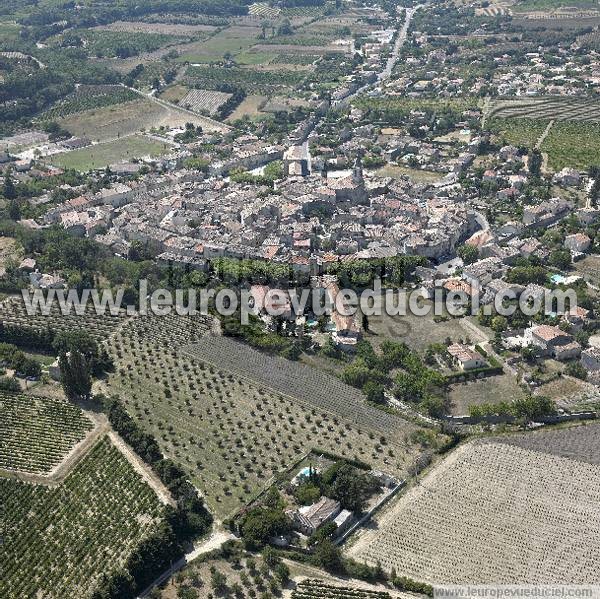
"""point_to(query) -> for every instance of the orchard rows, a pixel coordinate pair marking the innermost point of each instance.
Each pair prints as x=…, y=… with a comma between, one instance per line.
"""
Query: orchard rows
x=493, y=512
x=57, y=542
x=306, y=384
x=318, y=589
x=230, y=434
x=37, y=432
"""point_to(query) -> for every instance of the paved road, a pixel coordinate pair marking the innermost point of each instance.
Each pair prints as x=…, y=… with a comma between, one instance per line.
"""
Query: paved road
x=387, y=71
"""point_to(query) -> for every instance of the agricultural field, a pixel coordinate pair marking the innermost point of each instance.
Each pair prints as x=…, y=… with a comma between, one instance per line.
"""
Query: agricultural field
x=492, y=389
x=13, y=312
x=233, y=434
x=417, y=331
x=319, y=589
x=111, y=152
x=103, y=43
x=252, y=575
x=204, y=101
x=554, y=6
x=174, y=93
x=296, y=380
x=88, y=97
x=546, y=108
x=232, y=40
x=572, y=144
x=416, y=175
x=568, y=143
x=38, y=432
x=111, y=122
x=251, y=106
x=178, y=29
x=253, y=81
x=58, y=541
x=517, y=132
x=589, y=269
x=507, y=510
x=10, y=250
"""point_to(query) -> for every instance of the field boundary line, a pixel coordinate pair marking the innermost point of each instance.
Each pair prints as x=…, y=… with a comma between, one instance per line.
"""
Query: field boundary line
x=143, y=469
x=544, y=134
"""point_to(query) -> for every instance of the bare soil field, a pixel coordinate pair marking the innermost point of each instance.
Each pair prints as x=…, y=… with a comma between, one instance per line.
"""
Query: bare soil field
x=506, y=510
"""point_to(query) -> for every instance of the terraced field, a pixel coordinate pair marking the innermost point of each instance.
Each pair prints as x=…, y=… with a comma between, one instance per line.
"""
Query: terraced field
x=233, y=434
x=59, y=541
x=509, y=510
x=37, y=432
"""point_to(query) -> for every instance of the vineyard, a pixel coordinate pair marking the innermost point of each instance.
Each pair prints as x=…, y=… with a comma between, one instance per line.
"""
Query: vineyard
x=573, y=144
x=13, y=313
x=496, y=511
x=233, y=435
x=264, y=10
x=87, y=97
x=568, y=143
x=545, y=108
x=519, y=132
x=318, y=589
x=299, y=59
x=58, y=541
x=204, y=101
x=37, y=432
x=251, y=81
x=581, y=444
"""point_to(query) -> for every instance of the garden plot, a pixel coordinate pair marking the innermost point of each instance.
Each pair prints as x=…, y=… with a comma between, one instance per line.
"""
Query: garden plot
x=58, y=541
x=496, y=512
x=231, y=434
x=36, y=433
x=301, y=382
x=204, y=101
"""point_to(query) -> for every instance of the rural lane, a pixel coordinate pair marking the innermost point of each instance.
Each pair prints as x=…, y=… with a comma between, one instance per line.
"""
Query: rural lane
x=214, y=541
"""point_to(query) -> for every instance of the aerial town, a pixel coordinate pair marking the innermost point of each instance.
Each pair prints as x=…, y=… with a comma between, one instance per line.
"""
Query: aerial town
x=443, y=151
